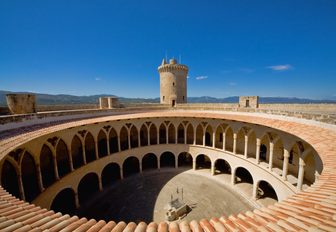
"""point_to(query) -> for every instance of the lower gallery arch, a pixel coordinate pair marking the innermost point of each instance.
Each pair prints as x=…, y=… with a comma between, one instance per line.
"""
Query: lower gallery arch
x=29, y=177
x=266, y=191
x=203, y=162
x=167, y=159
x=131, y=166
x=149, y=161
x=185, y=160
x=9, y=179
x=242, y=175
x=222, y=167
x=64, y=202
x=87, y=187
x=110, y=174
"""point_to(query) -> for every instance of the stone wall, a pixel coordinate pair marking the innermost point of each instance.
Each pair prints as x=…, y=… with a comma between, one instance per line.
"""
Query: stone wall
x=249, y=101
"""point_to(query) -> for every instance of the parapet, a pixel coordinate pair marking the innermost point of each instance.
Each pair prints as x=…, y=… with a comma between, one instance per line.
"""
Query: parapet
x=172, y=66
x=108, y=102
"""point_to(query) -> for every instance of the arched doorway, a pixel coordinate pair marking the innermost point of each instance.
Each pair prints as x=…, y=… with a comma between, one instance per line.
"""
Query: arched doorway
x=263, y=152
x=153, y=135
x=163, y=135
x=113, y=140
x=190, y=134
x=9, y=179
x=29, y=177
x=185, y=160
x=229, y=139
x=77, y=152
x=149, y=161
x=90, y=150
x=171, y=134
x=102, y=144
x=134, y=137
x=199, y=135
x=64, y=202
x=88, y=186
x=47, y=166
x=203, y=162
x=180, y=134
x=110, y=174
x=144, y=136
x=131, y=166
x=167, y=159
x=208, y=136
x=243, y=176
x=123, y=139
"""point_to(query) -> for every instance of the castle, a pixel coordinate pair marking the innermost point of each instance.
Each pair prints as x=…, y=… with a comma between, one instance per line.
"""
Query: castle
x=52, y=163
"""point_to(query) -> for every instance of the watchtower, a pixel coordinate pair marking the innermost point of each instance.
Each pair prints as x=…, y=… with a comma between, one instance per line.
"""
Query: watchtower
x=173, y=82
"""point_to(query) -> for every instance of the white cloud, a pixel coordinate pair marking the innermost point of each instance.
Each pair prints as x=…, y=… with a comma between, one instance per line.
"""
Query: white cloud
x=281, y=67
x=201, y=78
x=188, y=77
x=97, y=79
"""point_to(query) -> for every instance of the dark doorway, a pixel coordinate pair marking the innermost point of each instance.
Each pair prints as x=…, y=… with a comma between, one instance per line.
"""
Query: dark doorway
x=263, y=152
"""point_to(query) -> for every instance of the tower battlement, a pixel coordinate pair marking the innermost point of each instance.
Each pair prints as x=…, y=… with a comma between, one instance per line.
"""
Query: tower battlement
x=171, y=66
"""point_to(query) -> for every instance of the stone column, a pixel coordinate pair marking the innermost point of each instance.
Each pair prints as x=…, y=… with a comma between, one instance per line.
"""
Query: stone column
x=39, y=177
x=234, y=143
x=158, y=163
x=108, y=146
x=194, y=136
x=214, y=139
x=119, y=147
x=176, y=162
x=255, y=191
x=213, y=168
x=245, y=146
x=185, y=135
x=139, y=138
x=194, y=164
x=203, y=132
x=55, y=168
x=233, y=178
x=129, y=139
x=96, y=150
x=100, y=184
x=148, y=136
x=77, y=200
x=70, y=159
x=140, y=166
x=121, y=173
x=285, y=165
x=158, y=136
x=224, y=140
x=258, y=151
x=83, y=153
x=301, y=173
x=270, y=164
x=176, y=136
x=21, y=188
x=167, y=134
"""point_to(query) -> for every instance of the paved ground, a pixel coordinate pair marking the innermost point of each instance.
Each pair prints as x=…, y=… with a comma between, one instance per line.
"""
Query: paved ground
x=143, y=197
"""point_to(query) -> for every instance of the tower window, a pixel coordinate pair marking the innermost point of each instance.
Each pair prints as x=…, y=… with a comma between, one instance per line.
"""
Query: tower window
x=173, y=83
x=183, y=98
x=163, y=98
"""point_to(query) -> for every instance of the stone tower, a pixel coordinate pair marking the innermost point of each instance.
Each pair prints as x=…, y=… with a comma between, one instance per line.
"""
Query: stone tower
x=173, y=82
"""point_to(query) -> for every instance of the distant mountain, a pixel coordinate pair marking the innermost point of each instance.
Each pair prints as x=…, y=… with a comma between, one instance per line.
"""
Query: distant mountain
x=63, y=99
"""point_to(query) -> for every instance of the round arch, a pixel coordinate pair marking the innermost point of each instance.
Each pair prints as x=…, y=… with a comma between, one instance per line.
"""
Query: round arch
x=64, y=202
x=167, y=159
x=102, y=144
x=266, y=191
x=90, y=150
x=222, y=167
x=110, y=174
x=203, y=162
x=9, y=179
x=242, y=175
x=77, y=152
x=47, y=166
x=87, y=187
x=131, y=166
x=62, y=157
x=185, y=160
x=149, y=161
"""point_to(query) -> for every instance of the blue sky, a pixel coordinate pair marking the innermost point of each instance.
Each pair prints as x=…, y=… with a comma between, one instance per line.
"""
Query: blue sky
x=265, y=48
